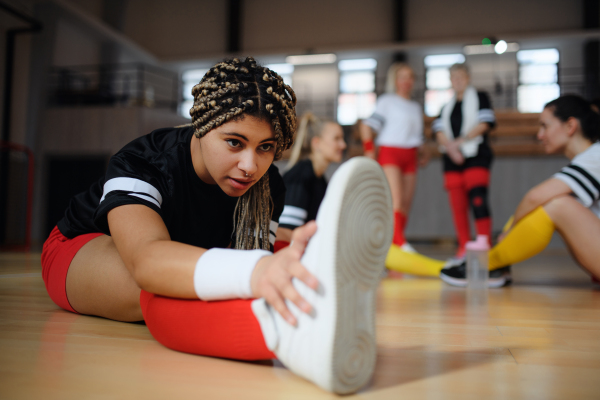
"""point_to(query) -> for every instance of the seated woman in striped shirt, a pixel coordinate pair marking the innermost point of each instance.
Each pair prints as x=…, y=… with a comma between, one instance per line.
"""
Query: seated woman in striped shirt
x=568, y=203
x=318, y=143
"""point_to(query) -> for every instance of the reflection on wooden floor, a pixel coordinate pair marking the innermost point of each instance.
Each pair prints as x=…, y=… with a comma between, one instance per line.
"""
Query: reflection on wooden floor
x=533, y=342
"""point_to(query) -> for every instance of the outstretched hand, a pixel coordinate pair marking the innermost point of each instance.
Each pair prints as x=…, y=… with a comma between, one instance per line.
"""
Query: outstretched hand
x=272, y=276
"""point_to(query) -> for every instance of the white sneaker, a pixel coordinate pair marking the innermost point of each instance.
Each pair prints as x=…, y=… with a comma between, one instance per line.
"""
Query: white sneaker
x=335, y=346
x=408, y=248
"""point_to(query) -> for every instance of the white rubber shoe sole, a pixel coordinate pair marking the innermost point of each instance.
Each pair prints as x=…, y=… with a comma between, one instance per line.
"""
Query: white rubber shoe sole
x=335, y=347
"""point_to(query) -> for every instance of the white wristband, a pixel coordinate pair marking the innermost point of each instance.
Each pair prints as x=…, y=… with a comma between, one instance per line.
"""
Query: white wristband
x=225, y=273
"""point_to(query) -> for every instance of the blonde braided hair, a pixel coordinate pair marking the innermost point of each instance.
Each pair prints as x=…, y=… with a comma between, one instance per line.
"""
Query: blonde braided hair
x=229, y=91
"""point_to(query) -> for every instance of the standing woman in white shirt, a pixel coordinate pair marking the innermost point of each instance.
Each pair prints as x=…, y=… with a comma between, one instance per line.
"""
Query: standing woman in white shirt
x=398, y=122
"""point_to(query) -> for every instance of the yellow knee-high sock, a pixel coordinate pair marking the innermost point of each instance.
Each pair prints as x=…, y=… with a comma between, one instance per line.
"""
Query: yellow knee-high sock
x=412, y=263
x=527, y=238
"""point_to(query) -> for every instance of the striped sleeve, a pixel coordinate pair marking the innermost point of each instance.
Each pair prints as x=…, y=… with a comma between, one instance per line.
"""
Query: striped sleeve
x=485, y=113
x=133, y=187
x=293, y=217
x=437, y=125
x=585, y=186
x=375, y=121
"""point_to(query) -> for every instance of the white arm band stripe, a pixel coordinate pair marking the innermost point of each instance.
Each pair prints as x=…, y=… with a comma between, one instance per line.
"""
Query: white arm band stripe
x=131, y=185
x=223, y=274
x=291, y=221
x=147, y=198
x=273, y=227
x=294, y=212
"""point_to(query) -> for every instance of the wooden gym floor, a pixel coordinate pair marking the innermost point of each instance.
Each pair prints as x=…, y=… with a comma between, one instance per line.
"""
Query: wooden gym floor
x=539, y=339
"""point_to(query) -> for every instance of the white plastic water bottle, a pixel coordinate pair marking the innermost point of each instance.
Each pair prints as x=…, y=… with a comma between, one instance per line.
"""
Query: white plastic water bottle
x=477, y=268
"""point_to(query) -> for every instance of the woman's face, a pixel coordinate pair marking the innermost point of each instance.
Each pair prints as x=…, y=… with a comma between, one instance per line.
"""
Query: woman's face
x=236, y=154
x=405, y=81
x=553, y=133
x=459, y=80
x=331, y=144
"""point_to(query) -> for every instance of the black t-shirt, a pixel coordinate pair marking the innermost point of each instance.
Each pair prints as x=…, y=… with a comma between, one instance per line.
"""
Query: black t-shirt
x=156, y=170
x=305, y=192
x=456, y=115
x=484, y=152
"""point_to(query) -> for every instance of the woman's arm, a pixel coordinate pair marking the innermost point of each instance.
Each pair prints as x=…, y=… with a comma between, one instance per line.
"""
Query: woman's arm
x=157, y=264
x=451, y=146
x=161, y=266
x=366, y=136
x=478, y=130
x=540, y=195
x=284, y=234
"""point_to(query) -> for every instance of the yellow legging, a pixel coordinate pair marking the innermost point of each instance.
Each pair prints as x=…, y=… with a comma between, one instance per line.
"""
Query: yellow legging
x=527, y=238
x=412, y=263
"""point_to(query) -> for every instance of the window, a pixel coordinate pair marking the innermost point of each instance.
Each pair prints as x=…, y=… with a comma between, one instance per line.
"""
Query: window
x=437, y=81
x=189, y=79
x=284, y=70
x=538, y=79
x=357, y=90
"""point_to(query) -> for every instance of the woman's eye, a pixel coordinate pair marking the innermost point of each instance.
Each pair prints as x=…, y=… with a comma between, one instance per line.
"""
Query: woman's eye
x=234, y=143
x=266, y=147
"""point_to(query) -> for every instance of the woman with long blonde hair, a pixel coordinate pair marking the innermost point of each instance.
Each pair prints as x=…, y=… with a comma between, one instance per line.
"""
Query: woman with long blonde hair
x=318, y=143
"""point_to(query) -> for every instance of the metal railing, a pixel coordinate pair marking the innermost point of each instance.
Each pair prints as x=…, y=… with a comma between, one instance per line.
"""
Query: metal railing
x=127, y=84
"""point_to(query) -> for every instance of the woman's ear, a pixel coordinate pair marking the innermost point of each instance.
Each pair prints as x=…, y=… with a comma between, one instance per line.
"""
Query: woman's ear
x=573, y=126
x=314, y=143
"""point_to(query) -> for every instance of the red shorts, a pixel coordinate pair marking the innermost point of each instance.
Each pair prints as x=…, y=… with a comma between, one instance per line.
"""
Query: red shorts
x=57, y=254
x=405, y=159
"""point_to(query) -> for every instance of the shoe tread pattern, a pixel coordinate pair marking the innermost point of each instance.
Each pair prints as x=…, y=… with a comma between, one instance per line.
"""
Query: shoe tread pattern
x=364, y=235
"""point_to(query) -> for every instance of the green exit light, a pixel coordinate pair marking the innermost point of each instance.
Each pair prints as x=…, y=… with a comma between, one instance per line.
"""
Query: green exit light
x=486, y=41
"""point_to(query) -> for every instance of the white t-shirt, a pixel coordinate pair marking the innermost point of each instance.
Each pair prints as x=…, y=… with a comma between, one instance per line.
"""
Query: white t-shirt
x=398, y=122
x=583, y=177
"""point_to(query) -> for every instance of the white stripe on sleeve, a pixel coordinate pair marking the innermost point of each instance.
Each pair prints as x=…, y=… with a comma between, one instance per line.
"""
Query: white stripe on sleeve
x=273, y=226
x=292, y=211
x=273, y=231
x=147, y=198
x=437, y=125
x=486, y=115
x=291, y=221
x=140, y=188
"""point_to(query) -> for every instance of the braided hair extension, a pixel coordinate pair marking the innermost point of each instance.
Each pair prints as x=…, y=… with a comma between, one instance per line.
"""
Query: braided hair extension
x=229, y=91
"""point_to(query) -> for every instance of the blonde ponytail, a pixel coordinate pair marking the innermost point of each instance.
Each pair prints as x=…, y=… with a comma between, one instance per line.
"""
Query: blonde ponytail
x=309, y=127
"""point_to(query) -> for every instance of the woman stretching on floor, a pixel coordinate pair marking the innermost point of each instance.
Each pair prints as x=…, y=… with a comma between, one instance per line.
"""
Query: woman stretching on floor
x=188, y=215
x=567, y=203
x=321, y=142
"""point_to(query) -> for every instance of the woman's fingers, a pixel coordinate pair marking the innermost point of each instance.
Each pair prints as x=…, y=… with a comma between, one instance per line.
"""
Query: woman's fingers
x=273, y=297
x=289, y=292
x=277, y=274
x=301, y=235
x=299, y=271
x=454, y=153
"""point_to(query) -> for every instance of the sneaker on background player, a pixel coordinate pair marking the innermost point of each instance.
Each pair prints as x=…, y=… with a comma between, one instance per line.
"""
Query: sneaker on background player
x=455, y=274
x=408, y=248
x=334, y=346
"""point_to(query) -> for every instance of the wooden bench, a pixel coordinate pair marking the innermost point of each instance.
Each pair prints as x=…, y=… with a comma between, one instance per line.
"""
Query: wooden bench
x=515, y=134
